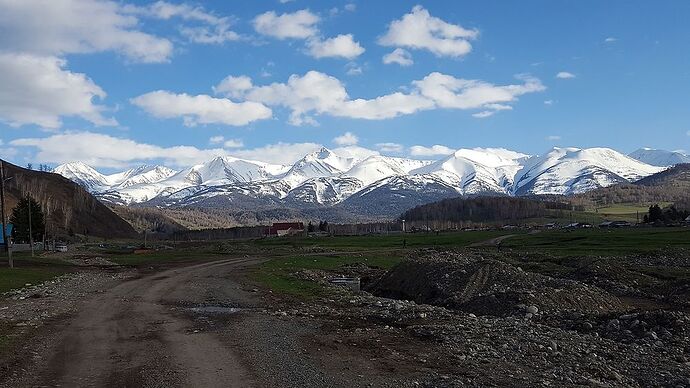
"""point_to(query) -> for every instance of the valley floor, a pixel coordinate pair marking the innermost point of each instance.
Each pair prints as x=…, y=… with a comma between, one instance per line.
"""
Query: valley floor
x=246, y=319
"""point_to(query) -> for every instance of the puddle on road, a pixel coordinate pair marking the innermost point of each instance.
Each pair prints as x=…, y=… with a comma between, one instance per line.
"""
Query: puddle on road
x=214, y=310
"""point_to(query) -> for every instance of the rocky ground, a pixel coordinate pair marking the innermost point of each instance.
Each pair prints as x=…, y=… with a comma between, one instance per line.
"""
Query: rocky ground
x=440, y=319
x=467, y=319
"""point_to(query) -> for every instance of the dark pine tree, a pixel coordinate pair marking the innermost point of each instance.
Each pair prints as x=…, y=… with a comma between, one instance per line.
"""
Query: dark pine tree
x=20, y=220
x=655, y=213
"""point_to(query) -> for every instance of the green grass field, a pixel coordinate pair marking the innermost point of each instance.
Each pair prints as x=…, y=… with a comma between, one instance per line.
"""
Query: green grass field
x=18, y=277
x=413, y=240
x=595, y=241
x=276, y=274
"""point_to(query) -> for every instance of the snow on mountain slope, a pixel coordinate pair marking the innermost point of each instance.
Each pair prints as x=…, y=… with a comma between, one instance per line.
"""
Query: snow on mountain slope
x=377, y=167
x=478, y=170
x=319, y=164
x=355, y=175
x=144, y=175
x=393, y=195
x=324, y=190
x=573, y=170
x=84, y=175
x=661, y=158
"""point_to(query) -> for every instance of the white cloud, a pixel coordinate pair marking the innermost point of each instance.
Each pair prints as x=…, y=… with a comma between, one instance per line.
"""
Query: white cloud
x=297, y=25
x=353, y=69
x=457, y=93
x=351, y=7
x=610, y=39
x=355, y=152
x=38, y=90
x=279, y=153
x=565, y=75
x=216, y=139
x=213, y=29
x=389, y=147
x=400, y=56
x=201, y=109
x=229, y=143
x=97, y=150
x=483, y=114
x=553, y=138
x=430, y=151
x=343, y=46
x=233, y=86
x=233, y=143
x=419, y=30
x=687, y=133
x=548, y=102
x=59, y=27
x=346, y=139
x=318, y=93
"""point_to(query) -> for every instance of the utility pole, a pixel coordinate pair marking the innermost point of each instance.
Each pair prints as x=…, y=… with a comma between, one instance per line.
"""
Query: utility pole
x=31, y=235
x=5, y=238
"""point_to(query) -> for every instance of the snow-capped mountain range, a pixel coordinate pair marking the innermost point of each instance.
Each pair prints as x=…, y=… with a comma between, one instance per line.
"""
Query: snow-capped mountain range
x=327, y=178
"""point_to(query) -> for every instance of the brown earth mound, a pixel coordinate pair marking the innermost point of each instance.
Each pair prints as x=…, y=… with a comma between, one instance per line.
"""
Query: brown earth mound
x=487, y=286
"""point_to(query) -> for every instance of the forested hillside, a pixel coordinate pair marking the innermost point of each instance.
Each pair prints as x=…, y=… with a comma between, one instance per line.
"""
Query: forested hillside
x=69, y=209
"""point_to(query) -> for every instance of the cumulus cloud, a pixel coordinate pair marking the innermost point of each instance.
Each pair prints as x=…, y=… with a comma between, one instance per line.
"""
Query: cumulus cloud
x=296, y=25
x=346, y=139
x=419, y=30
x=343, y=46
x=317, y=93
x=201, y=109
x=38, y=90
x=449, y=92
x=59, y=27
x=303, y=25
x=400, y=56
x=351, y=7
x=389, y=147
x=434, y=150
x=565, y=75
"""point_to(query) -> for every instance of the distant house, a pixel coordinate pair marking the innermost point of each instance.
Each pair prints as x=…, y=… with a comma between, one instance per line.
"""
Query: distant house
x=615, y=224
x=686, y=222
x=285, y=229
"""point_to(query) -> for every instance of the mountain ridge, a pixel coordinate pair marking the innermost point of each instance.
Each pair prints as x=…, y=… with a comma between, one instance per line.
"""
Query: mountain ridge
x=324, y=178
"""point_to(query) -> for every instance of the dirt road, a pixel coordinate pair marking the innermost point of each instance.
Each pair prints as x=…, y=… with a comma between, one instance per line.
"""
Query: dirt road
x=186, y=326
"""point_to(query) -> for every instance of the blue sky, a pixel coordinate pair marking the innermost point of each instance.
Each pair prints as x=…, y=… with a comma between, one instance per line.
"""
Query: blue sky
x=124, y=83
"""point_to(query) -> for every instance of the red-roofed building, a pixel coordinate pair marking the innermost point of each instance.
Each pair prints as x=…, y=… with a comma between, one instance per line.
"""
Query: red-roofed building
x=285, y=229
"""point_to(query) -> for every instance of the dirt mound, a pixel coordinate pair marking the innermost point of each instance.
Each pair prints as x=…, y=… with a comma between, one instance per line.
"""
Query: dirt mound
x=488, y=286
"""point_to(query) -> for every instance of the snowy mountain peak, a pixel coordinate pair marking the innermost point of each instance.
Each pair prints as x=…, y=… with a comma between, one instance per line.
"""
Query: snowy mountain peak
x=660, y=158
x=575, y=170
x=83, y=174
x=328, y=177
